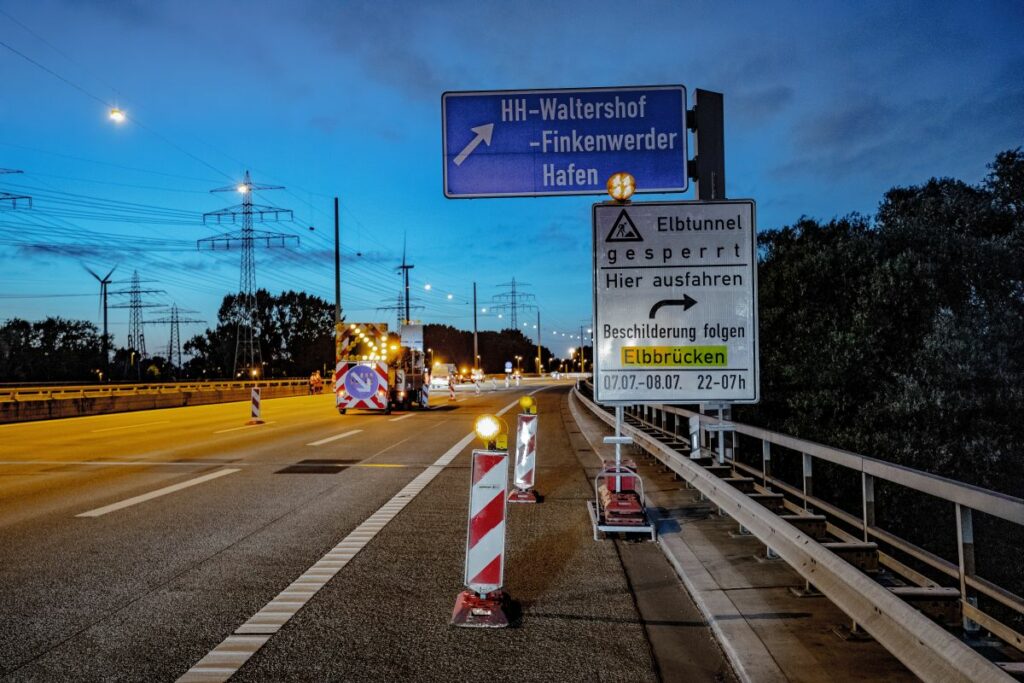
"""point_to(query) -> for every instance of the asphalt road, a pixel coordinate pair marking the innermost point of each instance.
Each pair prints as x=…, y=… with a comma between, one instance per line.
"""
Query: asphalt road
x=134, y=545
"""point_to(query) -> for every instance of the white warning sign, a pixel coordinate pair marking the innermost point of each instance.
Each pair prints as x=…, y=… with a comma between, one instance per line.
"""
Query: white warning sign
x=675, y=302
x=623, y=230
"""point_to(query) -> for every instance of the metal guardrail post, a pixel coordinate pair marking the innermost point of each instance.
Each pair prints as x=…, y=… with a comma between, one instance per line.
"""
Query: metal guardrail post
x=867, y=487
x=965, y=556
x=766, y=463
x=808, y=478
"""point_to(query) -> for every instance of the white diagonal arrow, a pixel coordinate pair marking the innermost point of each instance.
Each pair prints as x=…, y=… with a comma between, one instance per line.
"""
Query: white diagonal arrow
x=362, y=383
x=483, y=134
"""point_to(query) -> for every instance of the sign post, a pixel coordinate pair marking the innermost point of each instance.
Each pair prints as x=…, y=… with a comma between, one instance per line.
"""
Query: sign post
x=529, y=143
x=675, y=302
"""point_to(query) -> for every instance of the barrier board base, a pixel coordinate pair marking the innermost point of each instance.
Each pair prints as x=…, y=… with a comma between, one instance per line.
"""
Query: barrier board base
x=601, y=526
x=523, y=496
x=255, y=422
x=472, y=611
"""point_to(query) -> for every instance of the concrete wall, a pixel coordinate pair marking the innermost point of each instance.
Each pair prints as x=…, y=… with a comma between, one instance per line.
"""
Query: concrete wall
x=99, y=403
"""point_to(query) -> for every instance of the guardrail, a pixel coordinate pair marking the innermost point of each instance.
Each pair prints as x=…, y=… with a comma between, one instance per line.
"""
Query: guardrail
x=923, y=646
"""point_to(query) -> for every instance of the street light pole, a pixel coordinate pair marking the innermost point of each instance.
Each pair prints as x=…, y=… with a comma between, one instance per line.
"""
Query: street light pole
x=583, y=366
x=337, y=265
x=540, y=362
x=476, y=350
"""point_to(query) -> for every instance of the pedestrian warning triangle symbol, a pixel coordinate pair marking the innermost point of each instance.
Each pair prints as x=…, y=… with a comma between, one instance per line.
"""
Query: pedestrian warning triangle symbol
x=624, y=230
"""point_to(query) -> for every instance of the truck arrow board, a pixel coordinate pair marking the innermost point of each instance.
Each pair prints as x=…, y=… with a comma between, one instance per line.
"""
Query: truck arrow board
x=528, y=143
x=675, y=302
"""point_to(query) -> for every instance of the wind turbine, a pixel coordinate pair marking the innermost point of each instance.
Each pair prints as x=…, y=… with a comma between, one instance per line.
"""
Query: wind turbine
x=104, y=281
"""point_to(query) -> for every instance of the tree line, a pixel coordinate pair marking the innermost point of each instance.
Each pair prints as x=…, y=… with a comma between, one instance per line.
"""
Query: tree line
x=295, y=331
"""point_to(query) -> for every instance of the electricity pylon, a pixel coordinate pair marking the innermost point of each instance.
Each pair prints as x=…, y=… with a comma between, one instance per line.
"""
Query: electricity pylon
x=401, y=307
x=173, y=317
x=404, y=269
x=513, y=301
x=136, y=335
x=247, y=346
x=13, y=198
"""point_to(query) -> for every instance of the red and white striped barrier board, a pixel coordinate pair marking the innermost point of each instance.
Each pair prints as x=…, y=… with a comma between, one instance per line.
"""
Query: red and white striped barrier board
x=482, y=605
x=451, y=390
x=254, y=411
x=361, y=385
x=526, y=459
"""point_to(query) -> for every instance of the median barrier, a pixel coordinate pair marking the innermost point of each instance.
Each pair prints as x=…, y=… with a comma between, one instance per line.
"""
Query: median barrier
x=48, y=403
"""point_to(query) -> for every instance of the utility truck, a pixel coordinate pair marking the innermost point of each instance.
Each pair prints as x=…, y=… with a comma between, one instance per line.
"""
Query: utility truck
x=375, y=371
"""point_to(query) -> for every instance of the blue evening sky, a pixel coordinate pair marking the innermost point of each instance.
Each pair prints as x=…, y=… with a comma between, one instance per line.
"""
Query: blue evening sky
x=828, y=104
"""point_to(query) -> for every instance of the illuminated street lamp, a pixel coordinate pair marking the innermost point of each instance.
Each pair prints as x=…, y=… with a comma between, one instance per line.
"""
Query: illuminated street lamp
x=117, y=115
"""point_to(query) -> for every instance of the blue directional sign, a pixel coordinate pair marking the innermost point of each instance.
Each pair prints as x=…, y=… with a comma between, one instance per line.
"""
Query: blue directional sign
x=361, y=382
x=527, y=143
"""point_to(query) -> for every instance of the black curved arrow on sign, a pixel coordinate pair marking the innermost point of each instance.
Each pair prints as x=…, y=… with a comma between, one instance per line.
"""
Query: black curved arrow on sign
x=687, y=302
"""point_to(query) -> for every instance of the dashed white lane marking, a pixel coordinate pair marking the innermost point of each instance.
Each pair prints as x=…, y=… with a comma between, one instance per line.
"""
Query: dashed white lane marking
x=224, y=660
x=235, y=429
x=156, y=494
x=402, y=417
x=329, y=439
x=144, y=424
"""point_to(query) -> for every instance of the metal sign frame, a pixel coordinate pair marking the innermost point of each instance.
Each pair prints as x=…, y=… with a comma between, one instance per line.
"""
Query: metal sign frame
x=683, y=153
x=707, y=396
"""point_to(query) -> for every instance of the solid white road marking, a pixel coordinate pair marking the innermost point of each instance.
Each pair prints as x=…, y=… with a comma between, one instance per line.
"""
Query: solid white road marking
x=228, y=657
x=235, y=429
x=396, y=419
x=144, y=424
x=156, y=494
x=329, y=439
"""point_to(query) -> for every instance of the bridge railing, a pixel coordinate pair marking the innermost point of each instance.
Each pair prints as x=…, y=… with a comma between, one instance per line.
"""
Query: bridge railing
x=965, y=500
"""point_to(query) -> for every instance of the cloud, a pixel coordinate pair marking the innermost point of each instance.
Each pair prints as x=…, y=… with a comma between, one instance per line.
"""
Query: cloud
x=556, y=237
x=856, y=125
x=333, y=124
x=380, y=36
x=761, y=103
x=906, y=140
x=42, y=251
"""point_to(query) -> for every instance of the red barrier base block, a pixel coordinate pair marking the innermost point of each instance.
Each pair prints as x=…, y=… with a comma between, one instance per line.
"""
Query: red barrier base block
x=624, y=509
x=472, y=611
x=255, y=422
x=522, y=496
